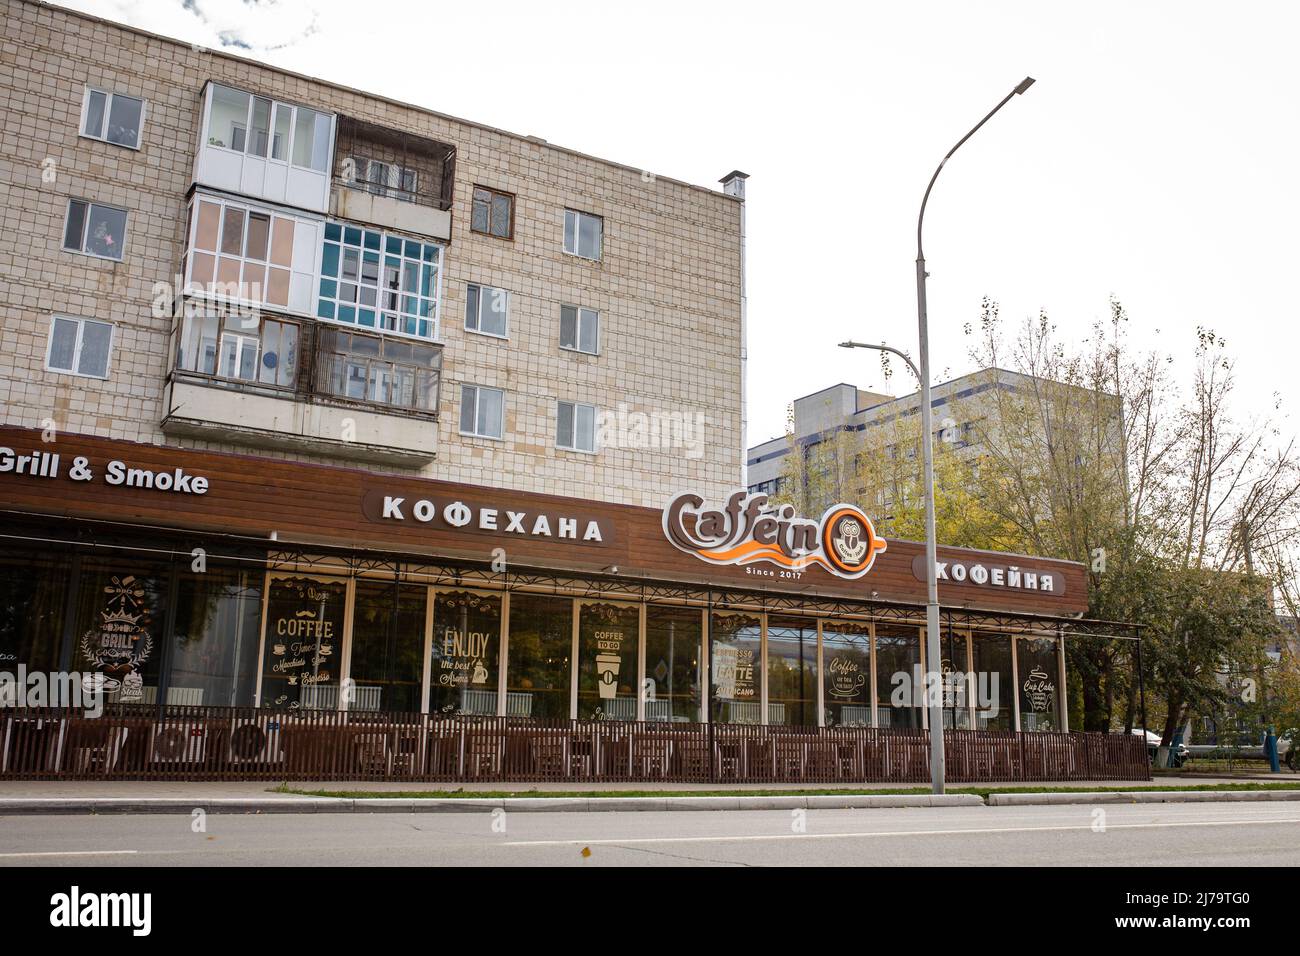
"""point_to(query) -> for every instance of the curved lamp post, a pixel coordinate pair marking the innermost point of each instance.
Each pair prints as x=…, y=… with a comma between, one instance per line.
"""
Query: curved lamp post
x=933, y=672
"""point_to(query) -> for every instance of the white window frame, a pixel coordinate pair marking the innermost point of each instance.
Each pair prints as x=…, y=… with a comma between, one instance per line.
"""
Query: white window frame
x=481, y=388
x=85, y=226
x=577, y=330
x=478, y=318
x=108, y=110
x=575, y=447
x=276, y=105
x=76, y=351
x=577, y=234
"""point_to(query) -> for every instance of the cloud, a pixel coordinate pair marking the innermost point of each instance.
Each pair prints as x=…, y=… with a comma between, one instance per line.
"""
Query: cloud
x=254, y=25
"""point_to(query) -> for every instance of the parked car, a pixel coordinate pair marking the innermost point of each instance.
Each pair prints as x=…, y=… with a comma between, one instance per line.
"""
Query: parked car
x=1153, y=745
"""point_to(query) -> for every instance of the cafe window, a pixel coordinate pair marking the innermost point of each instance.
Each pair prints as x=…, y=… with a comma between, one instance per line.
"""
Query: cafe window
x=465, y=653
x=121, y=610
x=95, y=229
x=33, y=595
x=672, y=663
x=792, y=671
x=386, y=668
x=541, y=646
x=493, y=213
x=608, y=641
x=736, y=667
x=846, y=674
x=954, y=668
x=112, y=117
x=218, y=628
x=1038, y=673
x=993, y=682
x=898, y=658
x=303, y=643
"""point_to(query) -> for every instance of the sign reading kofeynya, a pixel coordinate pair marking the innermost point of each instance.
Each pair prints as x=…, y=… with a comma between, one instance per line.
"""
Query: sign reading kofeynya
x=748, y=530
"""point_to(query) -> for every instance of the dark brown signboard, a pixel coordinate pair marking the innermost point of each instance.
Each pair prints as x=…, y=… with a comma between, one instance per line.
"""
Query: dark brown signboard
x=304, y=504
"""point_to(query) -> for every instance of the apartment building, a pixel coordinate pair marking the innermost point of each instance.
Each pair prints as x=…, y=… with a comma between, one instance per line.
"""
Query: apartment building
x=341, y=438
x=205, y=252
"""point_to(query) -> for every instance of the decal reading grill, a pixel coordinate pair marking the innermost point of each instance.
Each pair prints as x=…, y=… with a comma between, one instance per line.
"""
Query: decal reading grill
x=746, y=531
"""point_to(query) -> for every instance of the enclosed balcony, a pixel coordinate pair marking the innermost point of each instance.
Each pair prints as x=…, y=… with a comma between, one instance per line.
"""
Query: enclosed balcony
x=391, y=178
x=261, y=147
x=269, y=381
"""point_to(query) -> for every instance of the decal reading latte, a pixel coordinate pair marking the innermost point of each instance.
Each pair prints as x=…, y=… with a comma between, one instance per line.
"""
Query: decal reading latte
x=844, y=541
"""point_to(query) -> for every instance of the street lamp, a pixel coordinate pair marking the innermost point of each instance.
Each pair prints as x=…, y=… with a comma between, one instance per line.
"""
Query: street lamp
x=933, y=675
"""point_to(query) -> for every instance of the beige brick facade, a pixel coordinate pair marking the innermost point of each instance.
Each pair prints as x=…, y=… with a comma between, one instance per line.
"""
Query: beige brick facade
x=668, y=285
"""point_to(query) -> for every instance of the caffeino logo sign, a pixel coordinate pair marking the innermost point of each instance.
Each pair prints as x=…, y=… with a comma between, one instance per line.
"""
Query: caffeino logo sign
x=747, y=530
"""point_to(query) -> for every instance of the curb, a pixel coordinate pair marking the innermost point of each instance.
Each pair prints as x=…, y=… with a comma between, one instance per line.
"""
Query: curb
x=1139, y=796
x=125, y=805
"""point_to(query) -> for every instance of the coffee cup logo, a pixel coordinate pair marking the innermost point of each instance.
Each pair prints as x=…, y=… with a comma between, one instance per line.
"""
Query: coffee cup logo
x=607, y=666
x=748, y=529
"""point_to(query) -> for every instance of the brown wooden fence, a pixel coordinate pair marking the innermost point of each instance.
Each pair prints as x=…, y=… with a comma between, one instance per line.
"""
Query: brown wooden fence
x=218, y=743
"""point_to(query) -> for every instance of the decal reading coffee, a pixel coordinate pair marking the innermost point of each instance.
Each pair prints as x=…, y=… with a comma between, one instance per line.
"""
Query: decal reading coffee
x=987, y=574
x=844, y=541
x=457, y=514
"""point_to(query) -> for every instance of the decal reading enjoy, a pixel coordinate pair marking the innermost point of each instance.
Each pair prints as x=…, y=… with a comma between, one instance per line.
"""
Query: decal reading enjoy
x=844, y=541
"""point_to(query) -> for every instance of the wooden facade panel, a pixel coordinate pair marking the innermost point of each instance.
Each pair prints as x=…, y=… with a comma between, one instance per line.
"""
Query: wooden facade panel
x=310, y=504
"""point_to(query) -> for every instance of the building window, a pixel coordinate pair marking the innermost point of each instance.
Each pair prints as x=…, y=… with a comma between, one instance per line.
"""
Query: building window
x=379, y=281
x=672, y=663
x=493, y=213
x=386, y=663
x=583, y=233
x=898, y=651
x=576, y=427
x=736, y=672
x=238, y=347
x=250, y=254
x=482, y=411
x=370, y=368
x=792, y=671
x=486, y=310
x=846, y=681
x=465, y=653
x=79, y=347
x=95, y=230
x=112, y=117
x=258, y=126
x=579, y=329
x=540, y=648
x=381, y=178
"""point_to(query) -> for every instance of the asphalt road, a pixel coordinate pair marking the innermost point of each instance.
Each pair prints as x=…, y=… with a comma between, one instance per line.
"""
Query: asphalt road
x=1198, y=834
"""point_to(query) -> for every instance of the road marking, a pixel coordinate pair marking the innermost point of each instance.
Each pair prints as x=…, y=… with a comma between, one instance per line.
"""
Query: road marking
x=894, y=833
x=10, y=856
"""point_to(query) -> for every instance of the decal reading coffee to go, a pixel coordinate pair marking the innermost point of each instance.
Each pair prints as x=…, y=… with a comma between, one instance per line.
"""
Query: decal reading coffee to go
x=844, y=541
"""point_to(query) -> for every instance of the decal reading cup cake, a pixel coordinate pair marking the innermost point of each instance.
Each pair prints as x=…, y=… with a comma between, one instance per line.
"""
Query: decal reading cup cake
x=748, y=531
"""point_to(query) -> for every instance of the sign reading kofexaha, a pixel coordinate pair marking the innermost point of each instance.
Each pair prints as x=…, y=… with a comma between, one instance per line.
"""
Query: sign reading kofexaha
x=46, y=465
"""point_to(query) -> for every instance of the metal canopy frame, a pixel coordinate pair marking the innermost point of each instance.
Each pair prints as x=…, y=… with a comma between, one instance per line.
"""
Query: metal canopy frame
x=307, y=558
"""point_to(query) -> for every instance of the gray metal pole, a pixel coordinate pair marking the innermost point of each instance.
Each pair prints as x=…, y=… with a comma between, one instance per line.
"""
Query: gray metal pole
x=933, y=666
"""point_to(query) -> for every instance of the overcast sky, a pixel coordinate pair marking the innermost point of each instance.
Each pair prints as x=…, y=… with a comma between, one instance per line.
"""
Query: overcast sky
x=1155, y=159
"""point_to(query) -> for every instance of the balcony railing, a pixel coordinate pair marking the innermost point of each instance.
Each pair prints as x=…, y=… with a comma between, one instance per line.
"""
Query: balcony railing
x=306, y=361
x=394, y=164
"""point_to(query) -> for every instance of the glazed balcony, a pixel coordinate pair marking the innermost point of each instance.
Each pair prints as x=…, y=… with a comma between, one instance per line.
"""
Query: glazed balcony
x=270, y=381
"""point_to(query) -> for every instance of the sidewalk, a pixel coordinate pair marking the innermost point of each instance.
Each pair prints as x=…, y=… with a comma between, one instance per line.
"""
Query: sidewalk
x=89, y=797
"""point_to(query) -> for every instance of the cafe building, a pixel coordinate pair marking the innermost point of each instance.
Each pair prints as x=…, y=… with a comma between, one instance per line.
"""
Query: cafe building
x=245, y=617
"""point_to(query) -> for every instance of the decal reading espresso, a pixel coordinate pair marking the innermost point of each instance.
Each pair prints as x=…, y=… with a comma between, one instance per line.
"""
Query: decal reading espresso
x=747, y=530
